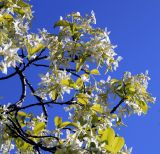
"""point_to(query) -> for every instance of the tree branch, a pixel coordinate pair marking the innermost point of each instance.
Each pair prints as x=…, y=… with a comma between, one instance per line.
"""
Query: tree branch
x=117, y=106
x=69, y=102
x=38, y=98
x=23, y=82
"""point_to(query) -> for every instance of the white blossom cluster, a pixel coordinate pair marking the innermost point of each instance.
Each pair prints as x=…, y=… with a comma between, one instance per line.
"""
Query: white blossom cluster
x=97, y=48
x=139, y=85
x=51, y=82
x=10, y=57
x=15, y=20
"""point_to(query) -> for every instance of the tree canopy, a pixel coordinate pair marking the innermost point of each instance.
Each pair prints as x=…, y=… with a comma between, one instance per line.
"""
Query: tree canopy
x=77, y=59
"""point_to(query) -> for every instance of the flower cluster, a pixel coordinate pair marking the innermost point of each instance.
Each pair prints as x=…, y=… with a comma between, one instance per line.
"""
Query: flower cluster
x=51, y=84
x=10, y=57
x=74, y=47
x=15, y=17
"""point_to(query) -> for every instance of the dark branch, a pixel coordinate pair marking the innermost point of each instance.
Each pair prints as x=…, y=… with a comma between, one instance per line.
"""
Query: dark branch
x=23, y=82
x=117, y=106
x=41, y=65
x=70, y=102
x=38, y=98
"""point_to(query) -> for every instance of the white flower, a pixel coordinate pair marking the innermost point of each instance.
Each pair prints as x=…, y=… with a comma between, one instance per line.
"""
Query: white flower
x=84, y=78
x=109, y=79
x=126, y=150
x=60, y=18
x=102, y=81
x=154, y=99
x=66, y=89
x=78, y=14
x=93, y=17
x=3, y=67
x=10, y=57
x=41, y=118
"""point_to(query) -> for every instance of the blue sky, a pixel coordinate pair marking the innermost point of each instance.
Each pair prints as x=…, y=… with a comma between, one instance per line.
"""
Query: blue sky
x=135, y=28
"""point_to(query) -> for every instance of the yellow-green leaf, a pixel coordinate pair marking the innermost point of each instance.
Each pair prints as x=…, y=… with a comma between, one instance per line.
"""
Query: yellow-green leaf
x=95, y=72
x=68, y=82
x=79, y=64
x=54, y=94
x=143, y=106
x=82, y=98
x=68, y=123
x=113, y=81
x=79, y=82
x=108, y=135
x=7, y=16
x=22, y=114
x=57, y=121
x=118, y=144
x=74, y=124
x=63, y=23
x=110, y=149
x=64, y=124
x=97, y=108
x=33, y=50
x=25, y=146
x=39, y=127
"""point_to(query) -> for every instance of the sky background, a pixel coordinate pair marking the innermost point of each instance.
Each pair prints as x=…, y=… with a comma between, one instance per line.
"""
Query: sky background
x=135, y=28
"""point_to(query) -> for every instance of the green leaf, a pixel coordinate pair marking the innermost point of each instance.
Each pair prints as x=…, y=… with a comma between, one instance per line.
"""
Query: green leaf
x=113, y=144
x=69, y=83
x=54, y=94
x=57, y=121
x=39, y=127
x=25, y=146
x=22, y=114
x=80, y=63
x=114, y=81
x=110, y=149
x=97, y=108
x=32, y=51
x=63, y=23
x=7, y=16
x=132, y=89
x=68, y=123
x=20, y=10
x=64, y=124
x=74, y=124
x=79, y=82
x=82, y=98
x=108, y=135
x=118, y=144
x=95, y=72
x=143, y=106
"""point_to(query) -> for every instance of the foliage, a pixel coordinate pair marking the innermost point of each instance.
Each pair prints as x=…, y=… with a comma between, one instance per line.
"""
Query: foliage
x=75, y=59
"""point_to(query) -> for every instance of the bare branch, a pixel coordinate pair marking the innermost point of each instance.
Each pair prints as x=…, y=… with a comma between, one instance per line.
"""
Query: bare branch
x=23, y=82
x=38, y=98
x=117, y=106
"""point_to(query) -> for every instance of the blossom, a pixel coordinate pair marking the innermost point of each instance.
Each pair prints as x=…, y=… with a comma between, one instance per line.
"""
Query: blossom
x=42, y=118
x=93, y=17
x=10, y=57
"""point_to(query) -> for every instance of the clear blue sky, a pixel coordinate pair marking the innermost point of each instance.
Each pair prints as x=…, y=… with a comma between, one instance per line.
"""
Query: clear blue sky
x=135, y=28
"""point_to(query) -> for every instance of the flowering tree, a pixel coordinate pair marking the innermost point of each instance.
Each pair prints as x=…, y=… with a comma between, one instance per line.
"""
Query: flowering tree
x=76, y=59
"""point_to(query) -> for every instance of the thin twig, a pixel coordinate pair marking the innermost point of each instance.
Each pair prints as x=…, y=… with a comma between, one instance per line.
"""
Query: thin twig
x=38, y=98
